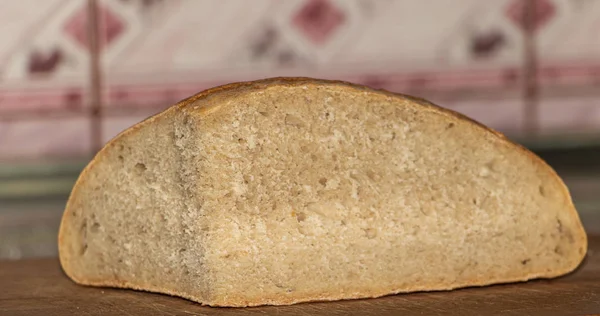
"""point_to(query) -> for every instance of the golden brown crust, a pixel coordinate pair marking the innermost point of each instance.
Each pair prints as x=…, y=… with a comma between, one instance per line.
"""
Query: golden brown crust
x=240, y=301
x=243, y=87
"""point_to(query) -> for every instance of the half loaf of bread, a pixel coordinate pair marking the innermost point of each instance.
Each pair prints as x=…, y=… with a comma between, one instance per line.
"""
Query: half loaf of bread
x=289, y=190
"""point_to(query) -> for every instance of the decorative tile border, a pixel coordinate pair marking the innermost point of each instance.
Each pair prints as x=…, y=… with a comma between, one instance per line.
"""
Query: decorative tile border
x=118, y=61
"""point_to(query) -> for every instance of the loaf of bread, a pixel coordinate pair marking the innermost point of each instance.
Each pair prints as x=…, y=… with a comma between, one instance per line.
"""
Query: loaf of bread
x=289, y=190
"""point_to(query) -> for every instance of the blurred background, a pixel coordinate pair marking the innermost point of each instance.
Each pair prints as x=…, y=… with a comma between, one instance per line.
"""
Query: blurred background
x=74, y=73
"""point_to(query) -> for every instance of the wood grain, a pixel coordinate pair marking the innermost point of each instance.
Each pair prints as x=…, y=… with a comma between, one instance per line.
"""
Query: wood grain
x=39, y=287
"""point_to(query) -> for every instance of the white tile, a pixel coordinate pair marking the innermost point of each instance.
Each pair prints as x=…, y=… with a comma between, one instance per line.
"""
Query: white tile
x=568, y=45
x=570, y=114
x=41, y=65
x=571, y=34
x=48, y=138
x=168, y=46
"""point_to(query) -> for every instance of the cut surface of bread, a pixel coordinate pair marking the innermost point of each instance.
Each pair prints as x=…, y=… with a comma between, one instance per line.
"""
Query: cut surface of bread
x=290, y=190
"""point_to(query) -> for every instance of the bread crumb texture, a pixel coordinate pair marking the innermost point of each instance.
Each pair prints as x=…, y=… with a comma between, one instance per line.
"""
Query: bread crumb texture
x=290, y=190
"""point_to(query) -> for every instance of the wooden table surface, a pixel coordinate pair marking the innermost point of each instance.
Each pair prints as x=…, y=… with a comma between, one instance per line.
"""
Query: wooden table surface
x=38, y=287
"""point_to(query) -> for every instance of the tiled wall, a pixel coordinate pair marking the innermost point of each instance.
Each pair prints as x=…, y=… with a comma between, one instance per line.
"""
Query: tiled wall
x=73, y=73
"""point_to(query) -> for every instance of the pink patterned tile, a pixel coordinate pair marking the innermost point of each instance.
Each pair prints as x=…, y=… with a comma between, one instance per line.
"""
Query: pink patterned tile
x=41, y=67
x=111, y=26
x=543, y=12
x=44, y=138
x=170, y=50
x=569, y=68
x=569, y=53
x=318, y=20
